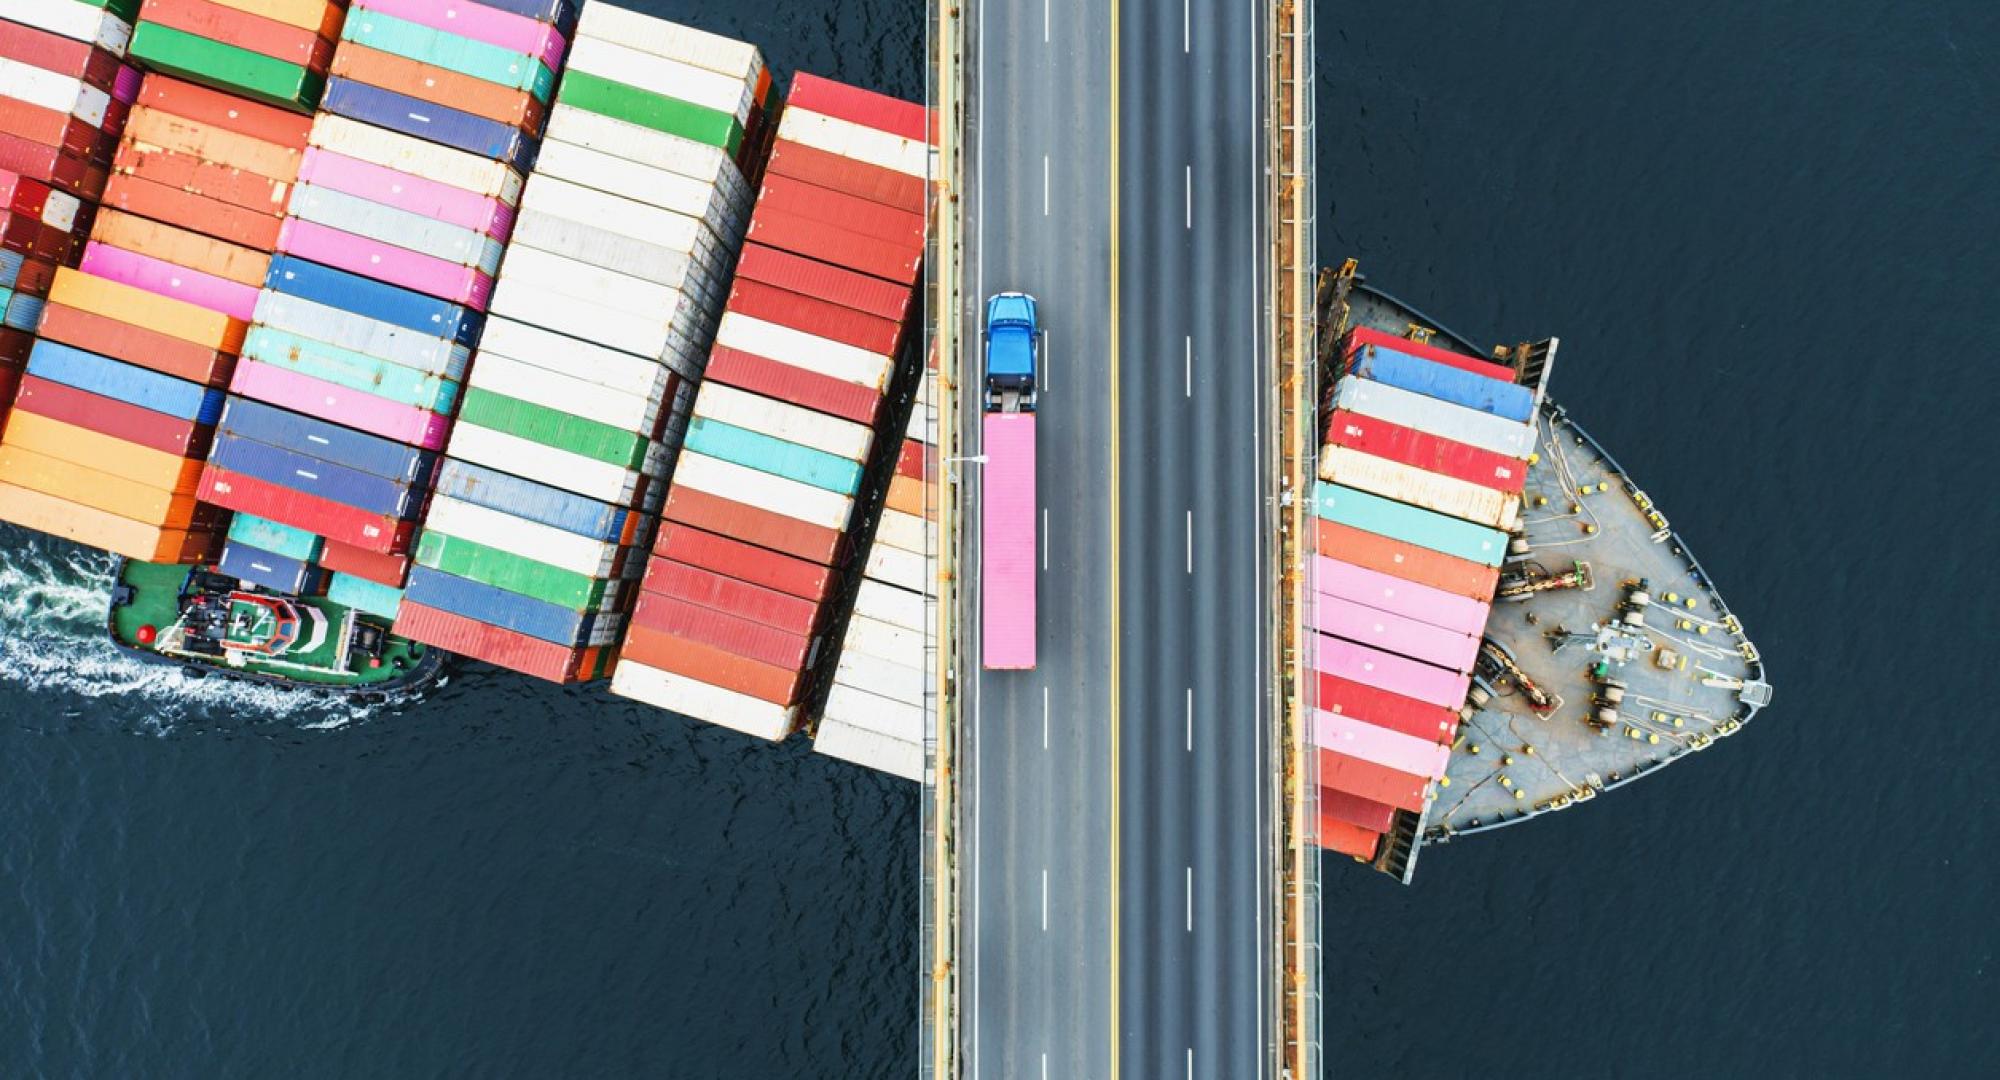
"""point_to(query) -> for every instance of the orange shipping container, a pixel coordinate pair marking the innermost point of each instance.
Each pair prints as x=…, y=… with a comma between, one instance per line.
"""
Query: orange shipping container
x=906, y=494
x=235, y=224
x=517, y=108
x=1407, y=561
x=175, y=318
x=1338, y=835
x=136, y=345
x=155, y=129
x=123, y=536
x=182, y=247
x=82, y=446
x=696, y=660
x=245, y=28
x=97, y=490
x=226, y=111
x=185, y=172
x=322, y=17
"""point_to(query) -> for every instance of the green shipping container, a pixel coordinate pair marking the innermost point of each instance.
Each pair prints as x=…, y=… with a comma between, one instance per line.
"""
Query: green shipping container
x=414, y=41
x=226, y=67
x=552, y=427
x=362, y=594
x=1410, y=524
x=279, y=539
x=354, y=370
x=514, y=573
x=756, y=450
x=594, y=93
x=124, y=9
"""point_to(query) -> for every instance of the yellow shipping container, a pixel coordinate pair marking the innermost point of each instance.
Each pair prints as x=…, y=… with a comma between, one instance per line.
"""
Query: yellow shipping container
x=121, y=536
x=175, y=318
x=95, y=489
x=168, y=243
x=92, y=449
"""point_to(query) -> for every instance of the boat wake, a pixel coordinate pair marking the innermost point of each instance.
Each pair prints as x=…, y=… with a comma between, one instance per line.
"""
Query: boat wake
x=53, y=644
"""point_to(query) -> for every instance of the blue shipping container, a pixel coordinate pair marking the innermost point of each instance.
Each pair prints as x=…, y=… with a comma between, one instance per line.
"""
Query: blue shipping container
x=313, y=476
x=498, y=607
x=10, y=268
x=429, y=120
x=1390, y=367
x=561, y=13
x=267, y=568
x=124, y=382
x=275, y=537
x=24, y=312
x=541, y=503
x=362, y=594
x=294, y=276
x=345, y=367
x=315, y=321
x=268, y=424
x=756, y=450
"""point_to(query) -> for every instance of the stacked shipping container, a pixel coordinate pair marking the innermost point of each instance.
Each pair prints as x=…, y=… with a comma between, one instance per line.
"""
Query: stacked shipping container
x=123, y=390
x=782, y=459
x=606, y=303
x=1425, y=455
x=272, y=51
x=364, y=331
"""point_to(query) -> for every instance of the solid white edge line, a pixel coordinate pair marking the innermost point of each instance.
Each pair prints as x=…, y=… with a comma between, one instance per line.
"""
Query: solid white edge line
x=979, y=273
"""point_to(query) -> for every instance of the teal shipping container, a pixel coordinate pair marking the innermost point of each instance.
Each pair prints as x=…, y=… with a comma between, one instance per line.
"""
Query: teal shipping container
x=362, y=594
x=275, y=537
x=1411, y=525
x=356, y=371
x=756, y=450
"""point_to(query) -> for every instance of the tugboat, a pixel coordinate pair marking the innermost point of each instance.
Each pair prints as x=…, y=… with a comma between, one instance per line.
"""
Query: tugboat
x=209, y=623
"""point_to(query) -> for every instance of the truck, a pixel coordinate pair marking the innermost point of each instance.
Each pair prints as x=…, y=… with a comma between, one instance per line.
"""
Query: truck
x=1013, y=344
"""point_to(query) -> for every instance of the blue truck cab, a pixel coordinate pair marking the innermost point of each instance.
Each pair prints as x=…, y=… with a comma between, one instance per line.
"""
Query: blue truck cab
x=1013, y=352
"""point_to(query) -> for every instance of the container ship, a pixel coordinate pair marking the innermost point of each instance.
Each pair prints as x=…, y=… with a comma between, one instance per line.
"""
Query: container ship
x=1501, y=623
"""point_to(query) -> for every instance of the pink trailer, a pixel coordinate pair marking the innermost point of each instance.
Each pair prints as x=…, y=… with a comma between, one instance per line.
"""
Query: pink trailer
x=1360, y=739
x=329, y=401
x=1394, y=633
x=1007, y=543
x=1423, y=603
x=1387, y=671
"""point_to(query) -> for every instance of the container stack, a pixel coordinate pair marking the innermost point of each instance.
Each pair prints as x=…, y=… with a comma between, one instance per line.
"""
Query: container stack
x=548, y=497
x=271, y=51
x=783, y=460
x=364, y=331
x=1421, y=472
x=874, y=711
x=123, y=390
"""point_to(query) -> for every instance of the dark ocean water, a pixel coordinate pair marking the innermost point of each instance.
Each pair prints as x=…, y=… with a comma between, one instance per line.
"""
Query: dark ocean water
x=1766, y=240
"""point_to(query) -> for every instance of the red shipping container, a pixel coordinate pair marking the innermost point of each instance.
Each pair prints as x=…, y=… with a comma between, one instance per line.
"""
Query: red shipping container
x=62, y=55
x=84, y=179
x=248, y=228
x=1422, y=450
x=831, y=243
x=227, y=111
x=830, y=170
x=694, y=547
x=791, y=195
x=1370, y=781
x=15, y=346
x=23, y=195
x=33, y=236
x=481, y=641
x=1384, y=709
x=731, y=633
x=249, y=495
x=390, y=570
x=787, y=382
x=1368, y=335
x=1355, y=810
x=1338, y=835
x=1407, y=561
x=36, y=275
x=245, y=30
x=223, y=183
x=138, y=345
x=717, y=667
x=713, y=590
x=827, y=320
x=51, y=128
x=855, y=105
x=762, y=527
x=911, y=459
x=109, y=416
x=825, y=281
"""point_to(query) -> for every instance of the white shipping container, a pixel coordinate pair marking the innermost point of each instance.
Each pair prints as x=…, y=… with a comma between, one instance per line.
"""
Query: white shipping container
x=417, y=157
x=603, y=247
x=618, y=328
x=359, y=333
x=80, y=21
x=1432, y=416
x=519, y=536
x=907, y=532
x=700, y=161
x=898, y=607
x=802, y=350
x=628, y=410
x=654, y=303
x=907, y=569
x=806, y=427
x=662, y=38
x=392, y=225
x=870, y=749
x=531, y=460
x=856, y=707
x=54, y=91
x=877, y=638
x=766, y=491
x=59, y=210
x=610, y=173
x=560, y=352
x=851, y=140
x=1446, y=495
x=679, y=232
x=890, y=679
x=703, y=701
x=730, y=95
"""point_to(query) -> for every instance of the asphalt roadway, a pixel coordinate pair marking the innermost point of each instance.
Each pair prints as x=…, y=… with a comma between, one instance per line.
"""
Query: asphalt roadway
x=1117, y=892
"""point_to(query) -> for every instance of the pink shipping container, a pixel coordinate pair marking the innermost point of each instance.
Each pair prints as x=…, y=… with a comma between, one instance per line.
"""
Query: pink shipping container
x=1394, y=633
x=1387, y=671
x=1389, y=593
x=385, y=262
x=1357, y=738
x=232, y=298
x=1007, y=541
x=390, y=187
x=328, y=401
x=515, y=33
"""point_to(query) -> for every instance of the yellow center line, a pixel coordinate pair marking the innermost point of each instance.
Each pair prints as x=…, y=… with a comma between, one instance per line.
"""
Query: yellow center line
x=1114, y=540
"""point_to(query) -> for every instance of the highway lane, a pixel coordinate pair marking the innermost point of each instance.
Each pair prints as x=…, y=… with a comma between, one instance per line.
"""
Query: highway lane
x=1036, y=975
